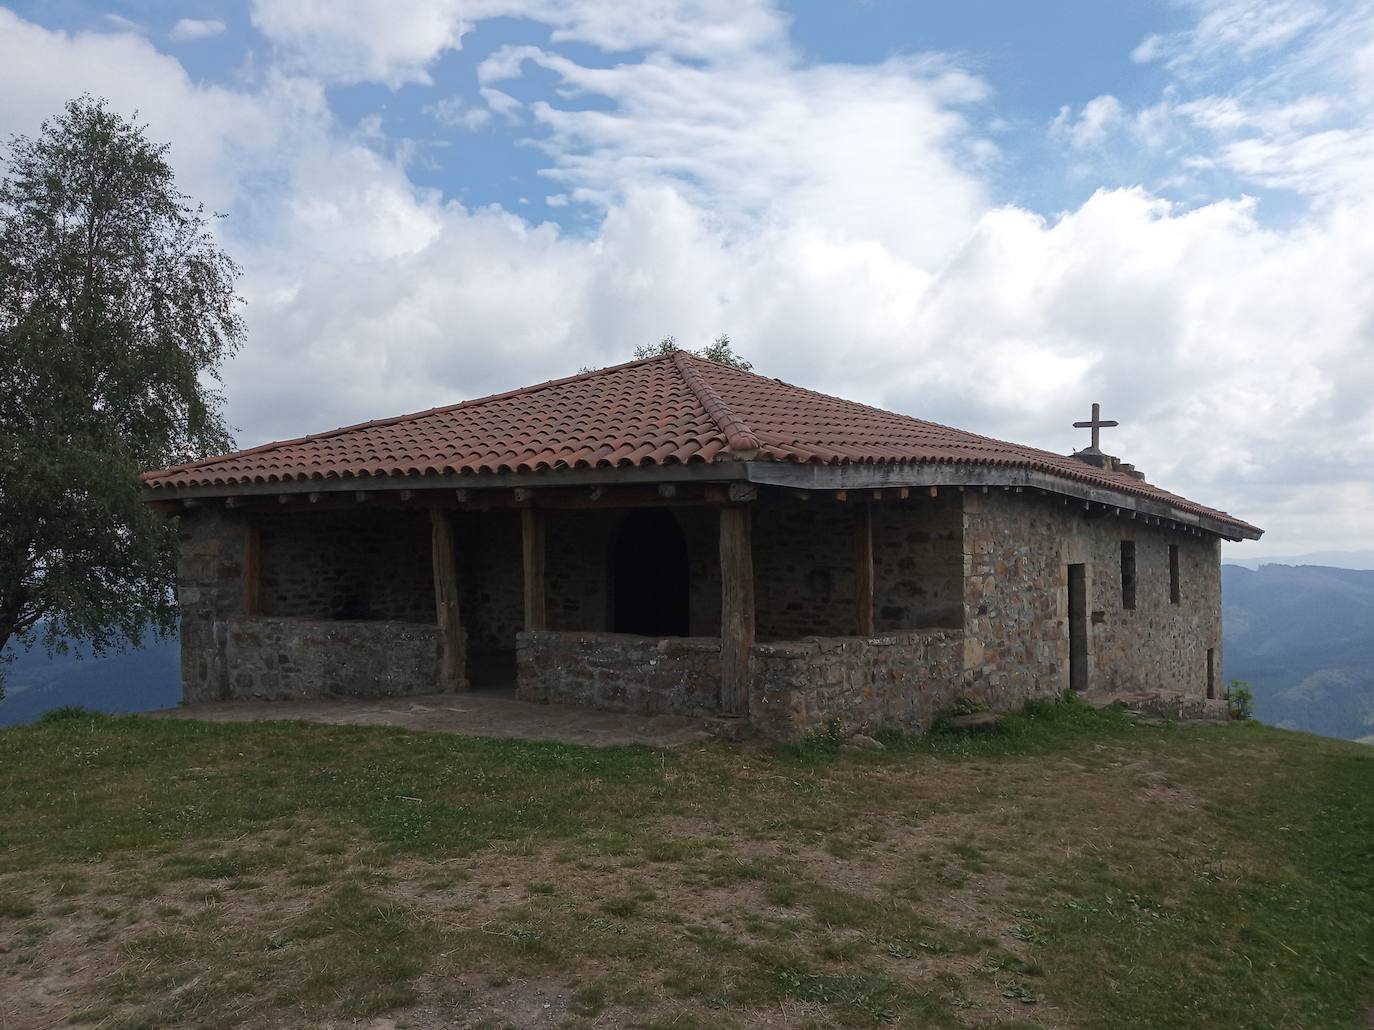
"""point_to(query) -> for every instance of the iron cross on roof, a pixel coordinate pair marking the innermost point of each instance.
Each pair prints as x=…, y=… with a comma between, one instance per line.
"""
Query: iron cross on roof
x=1096, y=424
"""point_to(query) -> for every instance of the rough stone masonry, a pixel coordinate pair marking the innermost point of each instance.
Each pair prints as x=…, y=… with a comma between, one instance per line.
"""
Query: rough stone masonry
x=970, y=594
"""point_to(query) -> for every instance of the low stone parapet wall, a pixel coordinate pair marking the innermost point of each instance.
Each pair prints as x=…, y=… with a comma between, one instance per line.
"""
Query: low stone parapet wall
x=285, y=658
x=620, y=672
x=864, y=683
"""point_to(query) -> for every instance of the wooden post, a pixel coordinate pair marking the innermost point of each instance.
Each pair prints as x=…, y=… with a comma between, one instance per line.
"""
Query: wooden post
x=532, y=530
x=453, y=659
x=863, y=571
x=252, y=571
x=736, y=609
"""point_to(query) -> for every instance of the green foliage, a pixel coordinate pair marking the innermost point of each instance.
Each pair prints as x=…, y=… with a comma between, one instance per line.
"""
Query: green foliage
x=718, y=350
x=821, y=743
x=1240, y=700
x=116, y=307
x=959, y=706
x=69, y=713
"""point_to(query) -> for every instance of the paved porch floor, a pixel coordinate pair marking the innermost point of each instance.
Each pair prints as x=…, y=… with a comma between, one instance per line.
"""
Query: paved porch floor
x=476, y=714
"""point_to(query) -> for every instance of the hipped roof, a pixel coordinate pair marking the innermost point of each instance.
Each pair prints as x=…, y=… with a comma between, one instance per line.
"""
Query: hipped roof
x=673, y=409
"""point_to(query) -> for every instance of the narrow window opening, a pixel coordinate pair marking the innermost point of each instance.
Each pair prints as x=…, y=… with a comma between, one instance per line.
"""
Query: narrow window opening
x=1211, y=673
x=1173, y=574
x=1128, y=574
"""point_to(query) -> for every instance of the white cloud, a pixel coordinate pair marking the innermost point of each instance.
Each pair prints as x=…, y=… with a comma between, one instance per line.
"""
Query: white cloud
x=1236, y=29
x=1148, y=49
x=829, y=217
x=877, y=153
x=387, y=41
x=456, y=113
x=395, y=42
x=191, y=30
x=1099, y=117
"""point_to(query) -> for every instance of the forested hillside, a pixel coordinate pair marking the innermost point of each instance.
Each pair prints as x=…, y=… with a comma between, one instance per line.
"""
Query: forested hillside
x=1303, y=636
x=133, y=681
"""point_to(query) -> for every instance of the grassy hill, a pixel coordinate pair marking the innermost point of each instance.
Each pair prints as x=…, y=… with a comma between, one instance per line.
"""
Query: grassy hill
x=1074, y=869
x=1303, y=635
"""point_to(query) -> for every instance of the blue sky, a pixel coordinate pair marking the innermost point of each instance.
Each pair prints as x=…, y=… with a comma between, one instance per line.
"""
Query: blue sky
x=987, y=213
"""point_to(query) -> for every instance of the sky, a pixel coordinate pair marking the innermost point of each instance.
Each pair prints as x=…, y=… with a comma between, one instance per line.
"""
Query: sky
x=987, y=214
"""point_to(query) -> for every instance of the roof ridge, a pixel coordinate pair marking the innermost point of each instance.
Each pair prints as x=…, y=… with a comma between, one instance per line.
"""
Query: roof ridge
x=905, y=417
x=738, y=436
x=199, y=463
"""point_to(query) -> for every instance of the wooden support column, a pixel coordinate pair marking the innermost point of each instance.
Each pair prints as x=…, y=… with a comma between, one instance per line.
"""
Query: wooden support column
x=453, y=656
x=863, y=571
x=532, y=530
x=736, y=609
x=252, y=571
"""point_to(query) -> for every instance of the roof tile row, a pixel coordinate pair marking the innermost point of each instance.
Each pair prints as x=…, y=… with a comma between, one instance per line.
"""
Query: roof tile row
x=668, y=410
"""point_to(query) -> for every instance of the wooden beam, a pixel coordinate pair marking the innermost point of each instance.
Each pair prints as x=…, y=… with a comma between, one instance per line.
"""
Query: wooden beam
x=667, y=489
x=452, y=656
x=736, y=610
x=252, y=571
x=532, y=531
x=738, y=492
x=863, y=571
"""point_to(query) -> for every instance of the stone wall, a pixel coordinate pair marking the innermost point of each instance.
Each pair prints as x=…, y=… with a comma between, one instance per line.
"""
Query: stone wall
x=579, y=548
x=490, y=557
x=918, y=564
x=804, y=554
x=225, y=653
x=355, y=565
x=209, y=593
x=620, y=672
x=898, y=680
x=283, y=659
x=1017, y=551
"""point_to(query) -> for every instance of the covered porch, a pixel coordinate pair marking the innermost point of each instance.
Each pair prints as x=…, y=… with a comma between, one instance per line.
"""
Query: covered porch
x=789, y=607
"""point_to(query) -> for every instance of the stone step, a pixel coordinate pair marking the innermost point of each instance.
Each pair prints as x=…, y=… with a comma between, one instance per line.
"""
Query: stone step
x=975, y=721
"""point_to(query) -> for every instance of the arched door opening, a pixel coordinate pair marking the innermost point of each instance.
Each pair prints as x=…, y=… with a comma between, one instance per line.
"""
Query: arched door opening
x=650, y=576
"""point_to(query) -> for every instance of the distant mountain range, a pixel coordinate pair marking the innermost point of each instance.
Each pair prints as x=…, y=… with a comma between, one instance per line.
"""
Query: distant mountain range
x=1301, y=635
x=132, y=681
x=1331, y=559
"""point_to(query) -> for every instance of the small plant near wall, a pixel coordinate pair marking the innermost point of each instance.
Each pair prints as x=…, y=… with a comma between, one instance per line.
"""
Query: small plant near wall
x=1240, y=700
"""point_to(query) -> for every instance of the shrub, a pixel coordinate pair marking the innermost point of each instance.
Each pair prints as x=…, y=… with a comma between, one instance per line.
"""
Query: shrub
x=1240, y=700
x=68, y=713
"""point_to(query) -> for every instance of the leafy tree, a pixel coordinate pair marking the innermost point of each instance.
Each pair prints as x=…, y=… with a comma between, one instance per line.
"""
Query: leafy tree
x=718, y=350
x=116, y=311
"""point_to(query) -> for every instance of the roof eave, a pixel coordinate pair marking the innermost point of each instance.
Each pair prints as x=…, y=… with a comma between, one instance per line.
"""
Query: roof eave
x=866, y=476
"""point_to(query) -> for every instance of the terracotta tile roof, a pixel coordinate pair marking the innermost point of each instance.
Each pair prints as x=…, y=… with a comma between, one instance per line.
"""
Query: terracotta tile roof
x=667, y=410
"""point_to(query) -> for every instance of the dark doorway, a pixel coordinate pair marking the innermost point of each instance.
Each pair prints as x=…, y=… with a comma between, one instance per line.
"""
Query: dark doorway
x=649, y=575
x=1078, y=627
